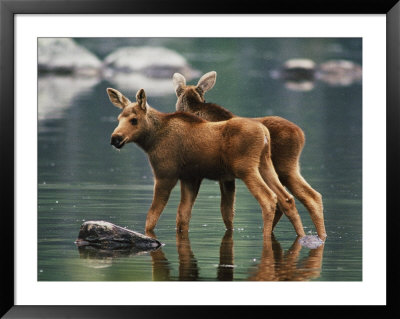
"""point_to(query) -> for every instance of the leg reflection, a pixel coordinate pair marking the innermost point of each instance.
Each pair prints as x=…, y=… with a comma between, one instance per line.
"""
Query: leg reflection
x=161, y=266
x=304, y=269
x=276, y=265
x=272, y=251
x=225, y=267
x=188, y=269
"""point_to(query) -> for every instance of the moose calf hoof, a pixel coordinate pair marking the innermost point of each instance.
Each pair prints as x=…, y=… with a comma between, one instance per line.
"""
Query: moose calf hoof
x=323, y=236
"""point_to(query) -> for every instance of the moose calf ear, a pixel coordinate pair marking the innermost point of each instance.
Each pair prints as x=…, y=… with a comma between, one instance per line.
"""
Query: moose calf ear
x=179, y=82
x=141, y=99
x=207, y=81
x=117, y=98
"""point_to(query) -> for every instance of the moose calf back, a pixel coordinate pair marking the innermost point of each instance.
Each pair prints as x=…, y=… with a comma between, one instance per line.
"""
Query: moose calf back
x=213, y=150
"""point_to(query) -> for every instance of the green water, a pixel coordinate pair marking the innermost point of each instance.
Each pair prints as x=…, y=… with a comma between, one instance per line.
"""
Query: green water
x=81, y=177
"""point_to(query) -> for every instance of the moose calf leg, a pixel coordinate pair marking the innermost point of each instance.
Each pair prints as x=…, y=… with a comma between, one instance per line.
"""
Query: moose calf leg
x=285, y=200
x=277, y=217
x=189, y=191
x=265, y=197
x=227, y=202
x=162, y=190
x=310, y=198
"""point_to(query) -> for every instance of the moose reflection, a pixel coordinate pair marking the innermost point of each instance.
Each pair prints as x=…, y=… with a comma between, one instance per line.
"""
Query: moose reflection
x=275, y=263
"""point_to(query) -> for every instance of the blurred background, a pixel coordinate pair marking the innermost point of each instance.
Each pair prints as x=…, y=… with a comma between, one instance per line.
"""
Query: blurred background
x=313, y=82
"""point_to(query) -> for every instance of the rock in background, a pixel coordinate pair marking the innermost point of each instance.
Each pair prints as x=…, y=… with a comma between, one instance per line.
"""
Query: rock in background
x=302, y=74
x=152, y=68
x=64, y=56
x=66, y=70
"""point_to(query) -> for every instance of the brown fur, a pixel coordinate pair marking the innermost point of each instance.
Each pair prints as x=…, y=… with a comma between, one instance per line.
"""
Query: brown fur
x=181, y=146
x=287, y=141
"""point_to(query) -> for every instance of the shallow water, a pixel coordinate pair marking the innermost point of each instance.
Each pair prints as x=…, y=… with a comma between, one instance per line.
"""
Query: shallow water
x=81, y=177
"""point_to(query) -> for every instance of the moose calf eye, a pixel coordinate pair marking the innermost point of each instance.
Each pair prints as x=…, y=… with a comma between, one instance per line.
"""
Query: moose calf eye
x=134, y=121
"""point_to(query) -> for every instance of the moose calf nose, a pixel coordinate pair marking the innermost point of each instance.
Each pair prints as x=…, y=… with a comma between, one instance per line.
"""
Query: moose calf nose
x=116, y=140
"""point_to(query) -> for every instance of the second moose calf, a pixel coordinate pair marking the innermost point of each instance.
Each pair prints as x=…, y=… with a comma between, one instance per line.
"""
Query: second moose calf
x=287, y=141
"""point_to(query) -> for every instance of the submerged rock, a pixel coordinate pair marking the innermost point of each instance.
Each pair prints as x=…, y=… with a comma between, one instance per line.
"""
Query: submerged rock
x=105, y=235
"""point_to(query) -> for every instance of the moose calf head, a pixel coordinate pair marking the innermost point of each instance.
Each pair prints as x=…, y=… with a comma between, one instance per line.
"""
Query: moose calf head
x=191, y=93
x=132, y=119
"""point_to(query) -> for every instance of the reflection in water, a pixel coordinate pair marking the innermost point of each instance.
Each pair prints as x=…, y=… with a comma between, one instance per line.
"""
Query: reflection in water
x=56, y=93
x=161, y=266
x=188, y=269
x=276, y=265
x=103, y=258
x=225, y=267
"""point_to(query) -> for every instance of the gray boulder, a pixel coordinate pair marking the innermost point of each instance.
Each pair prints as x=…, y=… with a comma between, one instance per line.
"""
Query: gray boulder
x=105, y=235
x=301, y=74
x=64, y=56
x=132, y=68
x=339, y=72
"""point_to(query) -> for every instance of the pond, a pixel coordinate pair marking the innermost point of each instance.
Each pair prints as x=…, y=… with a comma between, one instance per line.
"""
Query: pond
x=81, y=177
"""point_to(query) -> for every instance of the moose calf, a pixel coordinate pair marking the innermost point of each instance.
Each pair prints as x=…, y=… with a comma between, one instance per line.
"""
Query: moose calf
x=182, y=146
x=287, y=141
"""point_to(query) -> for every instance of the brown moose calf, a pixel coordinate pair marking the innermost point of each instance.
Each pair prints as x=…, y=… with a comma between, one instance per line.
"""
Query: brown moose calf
x=287, y=141
x=182, y=146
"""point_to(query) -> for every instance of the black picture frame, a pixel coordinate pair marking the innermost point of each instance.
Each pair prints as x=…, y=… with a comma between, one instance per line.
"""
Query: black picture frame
x=8, y=10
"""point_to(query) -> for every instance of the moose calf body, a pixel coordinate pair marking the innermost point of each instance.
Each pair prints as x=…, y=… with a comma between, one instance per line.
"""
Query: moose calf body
x=182, y=146
x=287, y=141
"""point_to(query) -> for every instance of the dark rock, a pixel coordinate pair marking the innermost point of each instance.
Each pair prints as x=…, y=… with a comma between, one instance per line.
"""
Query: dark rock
x=105, y=235
x=296, y=70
